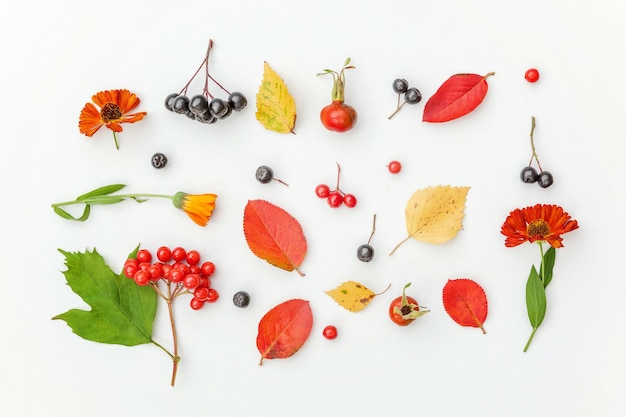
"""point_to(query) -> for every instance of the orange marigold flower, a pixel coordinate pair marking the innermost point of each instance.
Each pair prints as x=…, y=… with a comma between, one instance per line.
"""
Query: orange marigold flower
x=541, y=222
x=114, y=107
x=198, y=207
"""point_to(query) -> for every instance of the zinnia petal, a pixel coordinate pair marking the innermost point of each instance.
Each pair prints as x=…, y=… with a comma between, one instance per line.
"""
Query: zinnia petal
x=89, y=120
x=547, y=223
x=199, y=207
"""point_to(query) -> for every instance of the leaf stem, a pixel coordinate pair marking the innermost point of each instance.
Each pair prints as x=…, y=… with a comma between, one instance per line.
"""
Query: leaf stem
x=530, y=339
x=162, y=348
x=398, y=245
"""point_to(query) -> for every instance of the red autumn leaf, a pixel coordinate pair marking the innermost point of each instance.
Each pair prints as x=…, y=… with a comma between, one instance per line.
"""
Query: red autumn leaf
x=284, y=329
x=465, y=302
x=457, y=96
x=274, y=235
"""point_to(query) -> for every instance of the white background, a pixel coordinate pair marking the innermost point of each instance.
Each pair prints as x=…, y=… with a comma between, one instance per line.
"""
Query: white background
x=55, y=55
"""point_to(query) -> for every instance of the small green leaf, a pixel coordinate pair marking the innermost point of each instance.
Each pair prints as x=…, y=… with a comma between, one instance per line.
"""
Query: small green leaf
x=105, y=199
x=347, y=61
x=105, y=190
x=66, y=215
x=139, y=200
x=547, y=265
x=535, y=299
x=122, y=312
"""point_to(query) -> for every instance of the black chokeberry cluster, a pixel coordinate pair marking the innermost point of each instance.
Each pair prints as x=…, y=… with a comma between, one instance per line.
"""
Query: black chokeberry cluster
x=205, y=107
x=529, y=174
x=411, y=94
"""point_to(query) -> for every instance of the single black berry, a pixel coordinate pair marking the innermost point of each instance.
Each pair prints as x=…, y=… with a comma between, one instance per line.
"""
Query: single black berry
x=229, y=111
x=218, y=108
x=237, y=101
x=159, y=160
x=199, y=104
x=206, y=118
x=365, y=253
x=412, y=96
x=180, y=104
x=241, y=299
x=529, y=175
x=264, y=174
x=400, y=85
x=545, y=179
x=169, y=101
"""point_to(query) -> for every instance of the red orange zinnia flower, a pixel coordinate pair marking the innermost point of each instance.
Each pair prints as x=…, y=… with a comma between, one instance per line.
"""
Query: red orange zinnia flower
x=114, y=109
x=541, y=222
x=198, y=207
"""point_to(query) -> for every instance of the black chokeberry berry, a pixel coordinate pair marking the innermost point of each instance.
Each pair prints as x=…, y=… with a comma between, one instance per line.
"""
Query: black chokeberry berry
x=365, y=253
x=264, y=174
x=180, y=104
x=237, y=101
x=545, y=179
x=241, y=299
x=529, y=175
x=218, y=108
x=159, y=160
x=400, y=85
x=169, y=101
x=199, y=104
x=412, y=96
x=206, y=118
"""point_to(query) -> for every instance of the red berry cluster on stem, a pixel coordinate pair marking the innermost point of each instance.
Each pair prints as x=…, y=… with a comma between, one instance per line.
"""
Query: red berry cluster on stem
x=181, y=271
x=336, y=197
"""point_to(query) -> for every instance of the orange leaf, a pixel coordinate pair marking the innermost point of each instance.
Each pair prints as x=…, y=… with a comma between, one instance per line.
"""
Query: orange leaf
x=465, y=302
x=284, y=329
x=457, y=96
x=274, y=235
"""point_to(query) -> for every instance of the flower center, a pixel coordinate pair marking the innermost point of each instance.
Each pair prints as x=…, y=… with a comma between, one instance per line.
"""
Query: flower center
x=538, y=228
x=110, y=112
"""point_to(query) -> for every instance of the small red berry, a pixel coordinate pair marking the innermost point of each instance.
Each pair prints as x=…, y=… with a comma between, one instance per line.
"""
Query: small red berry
x=179, y=254
x=532, y=75
x=208, y=268
x=144, y=255
x=176, y=275
x=164, y=254
x=191, y=281
x=201, y=293
x=213, y=295
x=155, y=271
x=130, y=270
x=330, y=332
x=335, y=199
x=182, y=268
x=196, y=304
x=322, y=191
x=193, y=257
x=394, y=167
x=349, y=200
x=142, y=277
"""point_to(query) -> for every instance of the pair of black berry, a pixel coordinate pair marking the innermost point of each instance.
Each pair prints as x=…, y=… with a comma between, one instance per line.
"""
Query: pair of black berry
x=411, y=94
x=529, y=175
x=200, y=108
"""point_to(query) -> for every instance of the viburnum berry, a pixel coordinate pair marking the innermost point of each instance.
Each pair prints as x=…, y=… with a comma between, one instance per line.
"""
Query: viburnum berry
x=330, y=332
x=322, y=191
x=164, y=254
x=144, y=255
x=191, y=281
x=208, y=268
x=176, y=275
x=155, y=271
x=184, y=268
x=192, y=257
x=196, y=304
x=213, y=295
x=394, y=167
x=532, y=75
x=179, y=254
x=130, y=269
x=201, y=293
x=349, y=200
x=142, y=277
x=335, y=199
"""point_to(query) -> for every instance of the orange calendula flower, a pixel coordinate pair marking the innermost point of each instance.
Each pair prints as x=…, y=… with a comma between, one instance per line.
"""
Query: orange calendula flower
x=541, y=222
x=114, y=107
x=198, y=207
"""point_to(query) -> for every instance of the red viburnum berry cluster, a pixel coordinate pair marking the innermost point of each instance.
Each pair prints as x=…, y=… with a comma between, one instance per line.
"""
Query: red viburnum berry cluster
x=336, y=197
x=180, y=270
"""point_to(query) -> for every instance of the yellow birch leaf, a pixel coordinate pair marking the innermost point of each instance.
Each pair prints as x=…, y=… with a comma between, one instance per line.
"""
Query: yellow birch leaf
x=352, y=295
x=435, y=214
x=275, y=107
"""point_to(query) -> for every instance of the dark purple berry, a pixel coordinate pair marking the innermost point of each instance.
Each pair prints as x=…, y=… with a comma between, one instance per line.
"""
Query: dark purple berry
x=529, y=175
x=545, y=179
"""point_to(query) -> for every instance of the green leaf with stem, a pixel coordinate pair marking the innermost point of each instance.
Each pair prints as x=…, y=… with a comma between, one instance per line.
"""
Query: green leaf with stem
x=66, y=215
x=535, y=302
x=105, y=190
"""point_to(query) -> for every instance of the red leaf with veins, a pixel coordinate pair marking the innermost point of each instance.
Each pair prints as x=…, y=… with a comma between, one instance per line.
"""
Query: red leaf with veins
x=284, y=329
x=465, y=302
x=457, y=96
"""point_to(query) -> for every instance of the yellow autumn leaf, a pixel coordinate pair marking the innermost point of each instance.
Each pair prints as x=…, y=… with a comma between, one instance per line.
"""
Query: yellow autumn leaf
x=352, y=295
x=275, y=107
x=435, y=214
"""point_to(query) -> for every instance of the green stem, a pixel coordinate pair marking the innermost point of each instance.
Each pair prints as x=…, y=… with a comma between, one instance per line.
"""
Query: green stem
x=117, y=146
x=164, y=350
x=530, y=339
x=95, y=199
x=543, y=267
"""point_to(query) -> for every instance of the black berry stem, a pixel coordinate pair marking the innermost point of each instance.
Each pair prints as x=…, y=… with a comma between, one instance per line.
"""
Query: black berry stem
x=397, y=109
x=373, y=229
x=204, y=62
x=532, y=145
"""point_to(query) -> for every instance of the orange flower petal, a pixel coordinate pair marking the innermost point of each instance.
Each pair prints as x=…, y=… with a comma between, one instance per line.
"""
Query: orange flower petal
x=515, y=227
x=89, y=120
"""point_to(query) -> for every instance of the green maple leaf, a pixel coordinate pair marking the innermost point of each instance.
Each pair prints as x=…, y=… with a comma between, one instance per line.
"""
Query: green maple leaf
x=122, y=312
